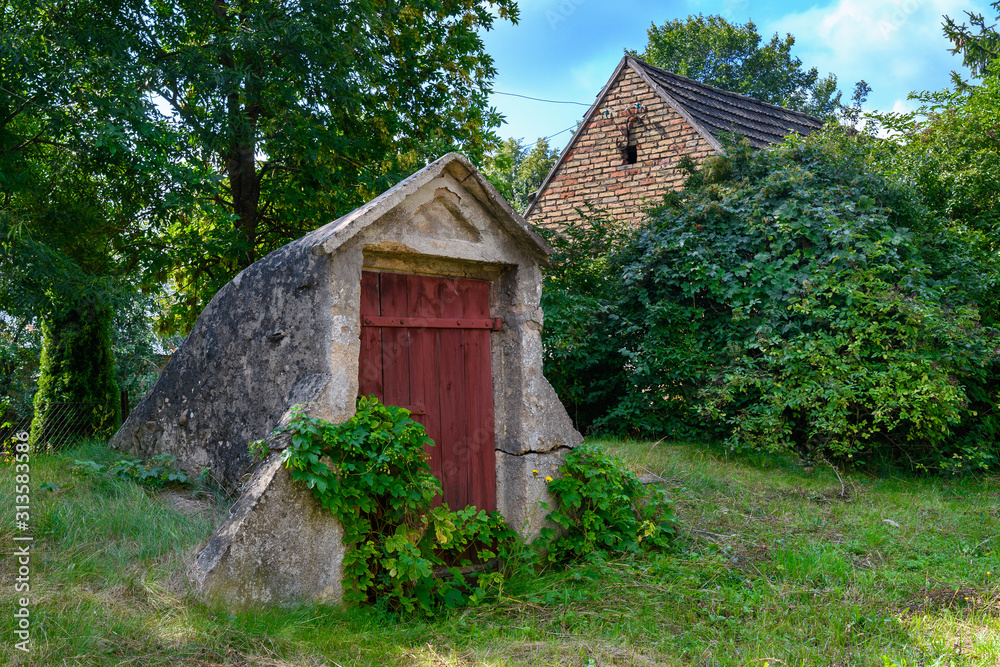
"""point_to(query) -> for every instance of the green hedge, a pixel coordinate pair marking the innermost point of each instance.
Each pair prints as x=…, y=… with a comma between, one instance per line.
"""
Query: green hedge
x=789, y=298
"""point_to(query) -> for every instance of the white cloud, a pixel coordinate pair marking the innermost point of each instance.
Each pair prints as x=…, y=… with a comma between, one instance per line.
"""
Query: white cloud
x=904, y=106
x=895, y=46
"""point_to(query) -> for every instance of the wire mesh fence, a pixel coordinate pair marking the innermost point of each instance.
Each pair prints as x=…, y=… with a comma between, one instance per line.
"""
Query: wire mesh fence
x=11, y=429
x=63, y=424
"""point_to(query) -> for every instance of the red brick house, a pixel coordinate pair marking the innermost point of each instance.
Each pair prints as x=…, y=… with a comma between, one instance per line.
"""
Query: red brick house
x=625, y=152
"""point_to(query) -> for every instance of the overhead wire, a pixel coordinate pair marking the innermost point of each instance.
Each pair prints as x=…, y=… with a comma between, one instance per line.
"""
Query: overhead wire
x=560, y=132
x=538, y=99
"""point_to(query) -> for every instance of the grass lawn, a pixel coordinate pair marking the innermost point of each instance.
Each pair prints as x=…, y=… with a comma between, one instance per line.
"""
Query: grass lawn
x=774, y=567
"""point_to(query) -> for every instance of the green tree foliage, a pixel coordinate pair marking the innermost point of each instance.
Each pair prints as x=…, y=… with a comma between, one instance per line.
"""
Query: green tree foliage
x=517, y=171
x=141, y=142
x=79, y=177
x=279, y=117
x=979, y=43
x=80, y=190
x=297, y=113
x=59, y=265
x=798, y=299
x=948, y=151
x=735, y=57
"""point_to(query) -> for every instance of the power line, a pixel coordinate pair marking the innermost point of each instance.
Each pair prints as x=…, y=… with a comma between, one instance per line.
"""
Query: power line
x=537, y=99
x=560, y=132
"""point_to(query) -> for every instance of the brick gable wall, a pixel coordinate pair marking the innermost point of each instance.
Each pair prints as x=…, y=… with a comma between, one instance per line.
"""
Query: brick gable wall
x=594, y=170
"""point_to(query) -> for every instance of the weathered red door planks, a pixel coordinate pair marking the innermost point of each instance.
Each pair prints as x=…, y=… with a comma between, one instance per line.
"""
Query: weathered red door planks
x=442, y=373
x=370, y=367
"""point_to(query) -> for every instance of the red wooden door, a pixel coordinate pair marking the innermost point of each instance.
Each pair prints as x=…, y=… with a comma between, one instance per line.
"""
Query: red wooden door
x=425, y=345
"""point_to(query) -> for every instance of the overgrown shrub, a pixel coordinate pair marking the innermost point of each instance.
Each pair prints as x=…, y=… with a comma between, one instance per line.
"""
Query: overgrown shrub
x=811, y=270
x=370, y=471
x=796, y=299
x=580, y=336
x=882, y=373
x=602, y=507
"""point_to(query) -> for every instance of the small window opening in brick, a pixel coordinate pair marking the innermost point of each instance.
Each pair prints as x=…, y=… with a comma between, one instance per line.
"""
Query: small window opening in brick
x=631, y=154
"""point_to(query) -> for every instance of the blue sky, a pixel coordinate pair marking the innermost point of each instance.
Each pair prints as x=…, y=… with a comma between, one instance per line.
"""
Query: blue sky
x=567, y=49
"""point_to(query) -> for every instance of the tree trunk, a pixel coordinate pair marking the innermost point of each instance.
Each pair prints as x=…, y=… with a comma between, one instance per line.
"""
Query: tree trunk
x=240, y=158
x=244, y=183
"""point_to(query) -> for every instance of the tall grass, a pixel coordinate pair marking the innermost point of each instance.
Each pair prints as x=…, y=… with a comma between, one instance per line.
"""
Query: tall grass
x=774, y=566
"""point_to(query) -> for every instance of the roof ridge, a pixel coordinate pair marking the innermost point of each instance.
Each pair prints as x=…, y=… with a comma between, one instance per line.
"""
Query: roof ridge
x=723, y=91
x=751, y=116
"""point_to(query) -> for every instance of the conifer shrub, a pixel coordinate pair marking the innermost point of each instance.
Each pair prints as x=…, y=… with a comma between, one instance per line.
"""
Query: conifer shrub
x=77, y=367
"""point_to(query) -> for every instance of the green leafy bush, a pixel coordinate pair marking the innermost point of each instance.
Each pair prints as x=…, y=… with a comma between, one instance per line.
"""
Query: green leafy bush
x=881, y=373
x=370, y=471
x=797, y=299
x=158, y=472
x=580, y=335
x=831, y=333
x=604, y=508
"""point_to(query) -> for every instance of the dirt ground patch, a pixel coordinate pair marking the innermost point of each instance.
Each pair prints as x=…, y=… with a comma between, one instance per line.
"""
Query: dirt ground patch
x=965, y=600
x=186, y=502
